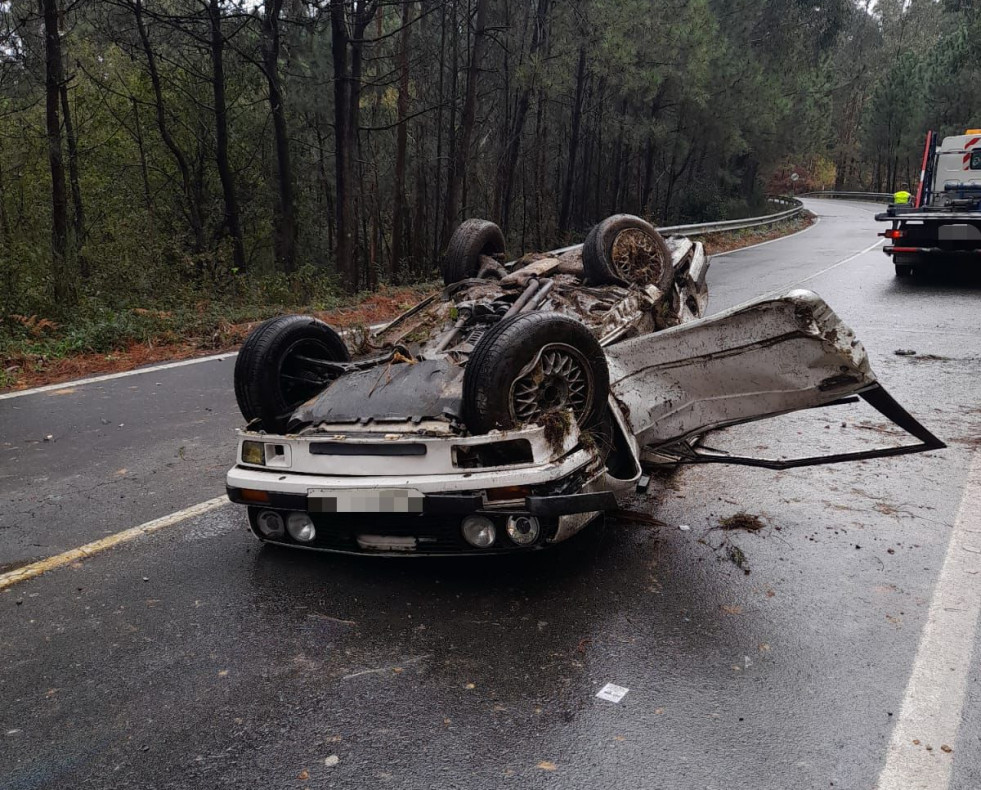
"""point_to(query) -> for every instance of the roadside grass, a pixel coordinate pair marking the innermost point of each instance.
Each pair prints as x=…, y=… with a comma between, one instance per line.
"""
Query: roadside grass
x=37, y=351
x=734, y=240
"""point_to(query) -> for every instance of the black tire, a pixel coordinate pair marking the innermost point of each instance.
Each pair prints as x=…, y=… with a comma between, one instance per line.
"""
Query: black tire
x=270, y=382
x=530, y=365
x=904, y=270
x=474, y=237
x=624, y=249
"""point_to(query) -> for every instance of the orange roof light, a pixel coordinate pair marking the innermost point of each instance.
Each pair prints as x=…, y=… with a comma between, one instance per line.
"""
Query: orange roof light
x=973, y=131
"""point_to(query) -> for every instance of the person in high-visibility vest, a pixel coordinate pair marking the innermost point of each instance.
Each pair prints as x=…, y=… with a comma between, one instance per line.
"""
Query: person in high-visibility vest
x=903, y=196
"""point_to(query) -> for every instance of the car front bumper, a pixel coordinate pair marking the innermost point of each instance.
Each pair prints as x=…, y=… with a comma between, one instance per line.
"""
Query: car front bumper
x=435, y=525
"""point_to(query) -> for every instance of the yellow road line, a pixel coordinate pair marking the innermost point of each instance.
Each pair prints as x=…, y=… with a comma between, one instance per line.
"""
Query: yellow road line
x=89, y=549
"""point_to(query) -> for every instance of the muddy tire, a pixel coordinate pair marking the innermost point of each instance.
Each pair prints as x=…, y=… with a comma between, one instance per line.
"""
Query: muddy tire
x=624, y=250
x=474, y=237
x=531, y=365
x=271, y=376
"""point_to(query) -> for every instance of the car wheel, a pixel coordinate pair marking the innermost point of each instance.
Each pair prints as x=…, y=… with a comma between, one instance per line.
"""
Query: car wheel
x=904, y=270
x=534, y=365
x=276, y=369
x=474, y=238
x=624, y=249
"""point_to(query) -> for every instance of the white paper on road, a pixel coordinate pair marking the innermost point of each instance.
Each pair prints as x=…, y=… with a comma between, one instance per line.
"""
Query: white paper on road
x=612, y=692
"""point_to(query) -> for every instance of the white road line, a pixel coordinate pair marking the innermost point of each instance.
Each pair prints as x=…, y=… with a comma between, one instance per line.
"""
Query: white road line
x=110, y=376
x=849, y=259
x=771, y=241
x=798, y=283
x=138, y=371
x=934, y=699
x=41, y=566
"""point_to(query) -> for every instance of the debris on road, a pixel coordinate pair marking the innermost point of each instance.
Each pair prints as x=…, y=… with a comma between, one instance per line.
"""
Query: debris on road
x=636, y=517
x=737, y=557
x=741, y=521
x=904, y=352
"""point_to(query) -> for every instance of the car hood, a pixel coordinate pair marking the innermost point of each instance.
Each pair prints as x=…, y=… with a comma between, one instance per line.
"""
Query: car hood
x=397, y=392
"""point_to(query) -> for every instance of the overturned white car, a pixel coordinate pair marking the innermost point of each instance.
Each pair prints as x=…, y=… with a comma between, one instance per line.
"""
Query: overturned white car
x=507, y=411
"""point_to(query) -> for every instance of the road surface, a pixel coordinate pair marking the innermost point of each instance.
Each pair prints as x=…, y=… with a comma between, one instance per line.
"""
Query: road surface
x=809, y=654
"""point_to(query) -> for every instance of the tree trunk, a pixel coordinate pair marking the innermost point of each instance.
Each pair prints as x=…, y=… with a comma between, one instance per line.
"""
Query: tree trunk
x=73, y=179
x=438, y=186
x=505, y=187
x=458, y=167
x=5, y=234
x=232, y=219
x=284, y=211
x=343, y=154
x=63, y=292
x=570, y=172
x=401, y=139
x=190, y=196
x=347, y=105
x=144, y=168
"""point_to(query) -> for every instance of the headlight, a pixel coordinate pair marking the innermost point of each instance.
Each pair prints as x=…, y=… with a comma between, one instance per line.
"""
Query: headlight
x=270, y=524
x=300, y=527
x=253, y=453
x=523, y=530
x=479, y=531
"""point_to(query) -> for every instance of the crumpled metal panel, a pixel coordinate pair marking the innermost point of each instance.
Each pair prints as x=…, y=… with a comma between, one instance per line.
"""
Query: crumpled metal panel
x=760, y=359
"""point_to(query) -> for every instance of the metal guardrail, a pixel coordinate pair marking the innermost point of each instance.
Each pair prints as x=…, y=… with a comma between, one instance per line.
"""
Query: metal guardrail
x=833, y=193
x=705, y=228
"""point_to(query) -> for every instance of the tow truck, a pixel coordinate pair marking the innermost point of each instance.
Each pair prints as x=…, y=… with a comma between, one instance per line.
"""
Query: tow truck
x=943, y=223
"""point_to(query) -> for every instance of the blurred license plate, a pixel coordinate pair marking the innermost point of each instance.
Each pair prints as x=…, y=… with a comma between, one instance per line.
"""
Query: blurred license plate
x=377, y=500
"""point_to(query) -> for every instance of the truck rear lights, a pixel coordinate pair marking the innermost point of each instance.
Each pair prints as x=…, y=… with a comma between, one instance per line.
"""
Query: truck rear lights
x=894, y=233
x=904, y=249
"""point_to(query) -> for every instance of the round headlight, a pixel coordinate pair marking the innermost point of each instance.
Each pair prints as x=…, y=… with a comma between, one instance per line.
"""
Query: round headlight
x=479, y=531
x=300, y=527
x=270, y=524
x=523, y=530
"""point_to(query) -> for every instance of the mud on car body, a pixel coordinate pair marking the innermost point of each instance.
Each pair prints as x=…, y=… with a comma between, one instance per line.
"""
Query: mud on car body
x=507, y=411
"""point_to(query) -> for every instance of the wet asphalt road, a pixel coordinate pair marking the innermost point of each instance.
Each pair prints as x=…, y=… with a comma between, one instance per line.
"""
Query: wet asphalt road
x=195, y=658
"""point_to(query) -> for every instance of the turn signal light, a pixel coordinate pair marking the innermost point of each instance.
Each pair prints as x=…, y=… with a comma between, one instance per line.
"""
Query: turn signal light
x=895, y=234
x=507, y=493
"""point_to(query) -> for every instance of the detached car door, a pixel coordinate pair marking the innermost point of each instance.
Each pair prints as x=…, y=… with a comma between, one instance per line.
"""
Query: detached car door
x=761, y=359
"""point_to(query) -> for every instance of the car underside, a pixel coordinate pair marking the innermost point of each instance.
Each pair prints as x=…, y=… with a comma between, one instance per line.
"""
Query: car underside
x=509, y=410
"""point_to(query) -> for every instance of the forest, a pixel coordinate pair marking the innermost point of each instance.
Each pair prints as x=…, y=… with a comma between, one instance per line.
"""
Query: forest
x=156, y=154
